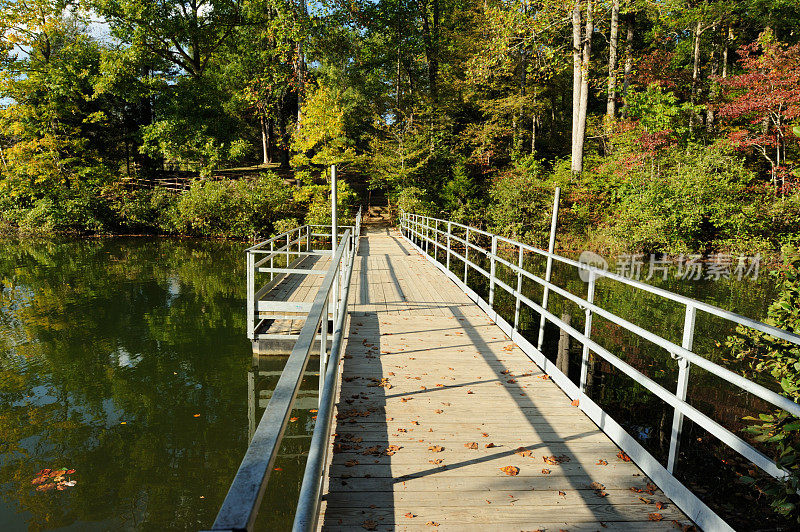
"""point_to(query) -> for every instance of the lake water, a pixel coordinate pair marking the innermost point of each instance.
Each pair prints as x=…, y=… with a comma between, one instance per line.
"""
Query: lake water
x=125, y=360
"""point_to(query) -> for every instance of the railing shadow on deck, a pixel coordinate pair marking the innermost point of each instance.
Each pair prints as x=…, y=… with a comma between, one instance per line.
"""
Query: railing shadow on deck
x=354, y=364
x=441, y=247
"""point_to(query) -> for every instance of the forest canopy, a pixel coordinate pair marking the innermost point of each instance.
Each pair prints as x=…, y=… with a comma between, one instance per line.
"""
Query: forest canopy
x=683, y=116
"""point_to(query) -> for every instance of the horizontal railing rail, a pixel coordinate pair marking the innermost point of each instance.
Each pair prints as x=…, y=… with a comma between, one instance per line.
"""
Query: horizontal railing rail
x=426, y=232
x=241, y=505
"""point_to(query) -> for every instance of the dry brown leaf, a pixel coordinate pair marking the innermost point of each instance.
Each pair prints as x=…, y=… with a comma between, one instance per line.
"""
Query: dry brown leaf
x=436, y=448
x=369, y=525
x=485, y=434
x=601, y=462
x=655, y=517
x=510, y=470
x=489, y=445
x=660, y=505
x=575, y=402
x=562, y=493
x=545, y=471
x=439, y=411
x=624, y=457
x=409, y=515
x=432, y=523
x=436, y=462
x=471, y=445
x=522, y=451
x=555, y=460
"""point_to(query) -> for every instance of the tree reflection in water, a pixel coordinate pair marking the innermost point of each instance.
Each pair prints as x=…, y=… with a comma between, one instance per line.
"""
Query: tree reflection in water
x=126, y=360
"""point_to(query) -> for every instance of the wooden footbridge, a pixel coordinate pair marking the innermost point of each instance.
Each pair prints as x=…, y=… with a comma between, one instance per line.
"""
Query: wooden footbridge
x=436, y=413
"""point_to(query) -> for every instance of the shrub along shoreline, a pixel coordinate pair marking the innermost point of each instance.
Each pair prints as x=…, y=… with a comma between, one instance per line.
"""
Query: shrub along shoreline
x=238, y=209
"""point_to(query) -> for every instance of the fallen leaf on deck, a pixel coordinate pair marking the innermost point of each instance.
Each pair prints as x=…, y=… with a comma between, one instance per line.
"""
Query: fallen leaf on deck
x=655, y=517
x=489, y=445
x=432, y=523
x=522, y=451
x=562, y=493
x=624, y=457
x=660, y=505
x=485, y=434
x=392, y=449
x=575, y=402
x=409, y=515
x=369, y=525
x=438, y=411
x=545, y=471
x=436, y=462
x=436, y=448
x=471, y=445
x=601, y=462
x=510, y=470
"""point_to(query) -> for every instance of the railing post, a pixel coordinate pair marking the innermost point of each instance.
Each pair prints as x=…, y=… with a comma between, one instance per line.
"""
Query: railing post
x=251, y=292
x=427, y=236
x=288, y=246
x=308, y=238
x=587, y=331
x=449, y=232
x=323, y=349
x=682, y=387
x=519, y=287
x=492, y=269
x=466, y=255
x=272, y=260
x=550, y=248
x=435, y=239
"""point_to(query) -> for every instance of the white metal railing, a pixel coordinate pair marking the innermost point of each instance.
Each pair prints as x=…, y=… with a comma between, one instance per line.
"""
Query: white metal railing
x=291, y=251
x=425, y=232
x=240, y=507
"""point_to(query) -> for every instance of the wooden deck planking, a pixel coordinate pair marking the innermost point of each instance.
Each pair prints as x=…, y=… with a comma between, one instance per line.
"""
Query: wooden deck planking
x=427, y=371
x=296, y=288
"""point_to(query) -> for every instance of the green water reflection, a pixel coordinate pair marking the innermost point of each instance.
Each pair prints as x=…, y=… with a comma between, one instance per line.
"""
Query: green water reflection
x=126, y=360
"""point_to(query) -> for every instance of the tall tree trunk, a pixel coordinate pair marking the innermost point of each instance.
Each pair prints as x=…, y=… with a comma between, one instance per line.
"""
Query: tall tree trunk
x=399, y=57
x=300, y=71
x=576, y=73
x=265, y=139
x=725, y=50
x=580, y=133
x=714, y=61
x=612, y=64
x=626, y=80
x=695, y=71
x=431, y=39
